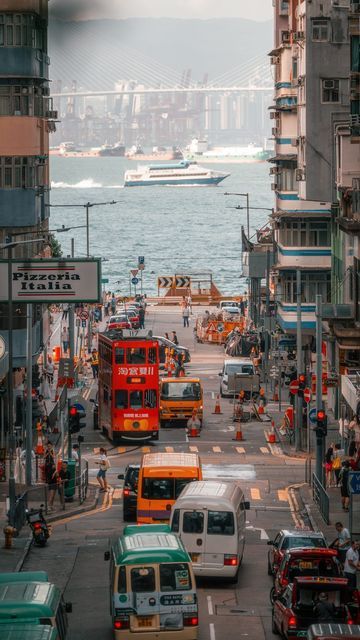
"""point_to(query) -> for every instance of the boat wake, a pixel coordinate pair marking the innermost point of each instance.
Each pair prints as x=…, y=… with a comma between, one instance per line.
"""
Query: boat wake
x=87, y=183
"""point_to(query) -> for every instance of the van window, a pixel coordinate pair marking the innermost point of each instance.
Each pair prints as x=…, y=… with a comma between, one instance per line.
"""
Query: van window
x=121, y=588
x=142, y=579
x=193, y=522
x=220, y=523
x=175, y=521
x=247, y=368
x=231, y=369
x=174, y=577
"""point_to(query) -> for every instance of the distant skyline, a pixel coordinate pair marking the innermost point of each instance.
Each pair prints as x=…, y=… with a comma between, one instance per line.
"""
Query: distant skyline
x=259, y=10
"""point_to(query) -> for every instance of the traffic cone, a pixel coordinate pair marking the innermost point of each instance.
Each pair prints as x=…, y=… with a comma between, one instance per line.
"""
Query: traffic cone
x=276, y=395
x=272, y=433
x=39, y=449
x=239, y=434
x=193, y=432
x=217, y=409
x=261, y=407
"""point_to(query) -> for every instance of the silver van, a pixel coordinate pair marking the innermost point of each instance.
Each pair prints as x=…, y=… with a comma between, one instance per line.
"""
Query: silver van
x=239, y=374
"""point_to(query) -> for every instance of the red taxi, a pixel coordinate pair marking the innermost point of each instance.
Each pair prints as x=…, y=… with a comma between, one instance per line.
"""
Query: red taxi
x=292, y=539
x=119, y=322
x=294, y=611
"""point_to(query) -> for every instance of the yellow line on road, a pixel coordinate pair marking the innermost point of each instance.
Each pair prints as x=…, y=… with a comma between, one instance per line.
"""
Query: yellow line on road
x=264, y=450
x=283, y=495
x=255, y=494
x=117, y=494
x=145, y=449
x=121, y=449
x=169, y=449
x=194, y=449
x=216, y=449
x=240, y=449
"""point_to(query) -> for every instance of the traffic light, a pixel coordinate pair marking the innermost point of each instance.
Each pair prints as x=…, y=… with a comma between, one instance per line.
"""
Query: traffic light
x=321, y=423
x=302, y=384
x=74, y=420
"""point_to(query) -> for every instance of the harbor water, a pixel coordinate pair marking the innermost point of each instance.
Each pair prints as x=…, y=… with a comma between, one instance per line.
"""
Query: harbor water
x=177, y=229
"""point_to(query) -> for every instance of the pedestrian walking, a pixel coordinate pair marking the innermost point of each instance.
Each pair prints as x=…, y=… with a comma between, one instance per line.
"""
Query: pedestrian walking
x=104, y=466
x=179, y=365
x=175, y=338
x=352, y=565
x=342, y=543
x=328, y=463
x=141, y=318
x=65, y=311
x=49, y=372
x=338, y=454
x=189, y=300
x=65, y=339
x=113, y=304
x=344, y=489
x=94, y=361
x=167, y=336
x=60, y=482
x=106, y=307
x=185, y=315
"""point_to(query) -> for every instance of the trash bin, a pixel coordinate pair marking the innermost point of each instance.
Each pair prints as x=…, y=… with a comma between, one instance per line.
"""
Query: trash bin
x=70, y=489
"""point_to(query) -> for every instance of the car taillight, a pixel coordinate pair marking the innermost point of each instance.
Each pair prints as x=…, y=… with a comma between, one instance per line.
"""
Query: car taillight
x=349, y=621
x=191, y=621
x=126, y=492
x=230, y=561
x=292, y=621
x=122, y=623
x=283, y=581
x=37, y=525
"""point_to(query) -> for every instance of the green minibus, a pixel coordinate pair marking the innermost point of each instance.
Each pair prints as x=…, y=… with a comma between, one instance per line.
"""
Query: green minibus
x=18, y=631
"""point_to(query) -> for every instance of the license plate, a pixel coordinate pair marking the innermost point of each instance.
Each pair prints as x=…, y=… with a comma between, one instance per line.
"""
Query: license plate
x=195, y=557
x=305, y=565
x=146, y=621
x=302, y=634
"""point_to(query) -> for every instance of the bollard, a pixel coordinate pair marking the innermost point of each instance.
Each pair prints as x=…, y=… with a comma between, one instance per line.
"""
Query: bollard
x=9, y=532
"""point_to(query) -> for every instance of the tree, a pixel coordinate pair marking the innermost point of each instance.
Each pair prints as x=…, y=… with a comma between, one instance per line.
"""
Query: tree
x=55, y=246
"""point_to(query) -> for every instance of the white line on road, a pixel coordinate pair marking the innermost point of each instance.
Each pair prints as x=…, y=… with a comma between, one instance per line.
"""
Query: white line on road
x=210, y=606
x=212, y=631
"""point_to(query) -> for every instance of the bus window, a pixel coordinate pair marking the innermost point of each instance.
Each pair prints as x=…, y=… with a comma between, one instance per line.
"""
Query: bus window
x=142, y=580
x=122, y=580
x=180, y=483
x=136, y=399
x=136, y=356
x=174, y=577
x=220, y=522
x=150, y=399
x=175, y=521
x=193, y=522
x=121, y=400
x=158, y=489
x=152, y=355
x=119, y=355
x=106, y=395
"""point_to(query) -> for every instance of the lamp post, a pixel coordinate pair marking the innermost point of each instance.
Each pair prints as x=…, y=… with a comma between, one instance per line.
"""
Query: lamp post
x=9, y=246
x=245, y=195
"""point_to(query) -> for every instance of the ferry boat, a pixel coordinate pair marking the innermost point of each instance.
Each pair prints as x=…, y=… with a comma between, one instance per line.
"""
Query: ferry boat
x=181, y=173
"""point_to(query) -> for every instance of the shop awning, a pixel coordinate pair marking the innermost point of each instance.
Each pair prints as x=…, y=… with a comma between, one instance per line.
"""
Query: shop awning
x=289, y=157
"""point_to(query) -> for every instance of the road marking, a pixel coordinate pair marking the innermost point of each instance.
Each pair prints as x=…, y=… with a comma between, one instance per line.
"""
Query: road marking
x=210, y=606
x=240, y=449
x=216, y=449
x=264, y=450
x=255, y=494
x=263, y=534
x=121, y=449
x=213, y=395
x=145, y=449
x=117, y=494
x=212, y=631
x=283, y=495
x=169, y=449
x=194, y=449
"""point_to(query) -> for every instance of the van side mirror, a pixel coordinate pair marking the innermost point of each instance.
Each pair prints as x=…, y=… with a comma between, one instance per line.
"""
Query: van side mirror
x=91, y=400
x=247, y=505
x=68, y=607
x=271, y=543
x=121, y=476
x=107, y=555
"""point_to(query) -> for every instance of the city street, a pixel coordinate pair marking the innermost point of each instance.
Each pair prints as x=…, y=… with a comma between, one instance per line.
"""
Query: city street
x=74, y=556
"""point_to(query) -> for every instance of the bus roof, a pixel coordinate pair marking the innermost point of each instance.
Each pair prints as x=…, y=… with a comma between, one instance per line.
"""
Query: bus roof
x=182, y=379
x=171, y=460
x=210, y=493
x=17, y=631
x=24, y=576
x=116, y=335
x=28, y=600
x=150, y=543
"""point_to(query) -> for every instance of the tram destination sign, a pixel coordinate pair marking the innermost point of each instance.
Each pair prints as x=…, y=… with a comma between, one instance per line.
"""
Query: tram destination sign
x=52, y=280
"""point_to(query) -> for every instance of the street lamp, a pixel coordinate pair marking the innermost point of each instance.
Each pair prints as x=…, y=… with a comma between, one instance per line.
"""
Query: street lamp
x=86, y=206
x=245, y=195
x=9, y=246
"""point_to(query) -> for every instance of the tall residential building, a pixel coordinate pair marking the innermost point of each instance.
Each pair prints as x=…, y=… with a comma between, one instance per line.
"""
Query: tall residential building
x=310, y=62
x=26, y=118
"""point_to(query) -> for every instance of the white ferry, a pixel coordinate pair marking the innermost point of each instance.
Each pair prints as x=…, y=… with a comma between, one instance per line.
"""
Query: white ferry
x=181, y=173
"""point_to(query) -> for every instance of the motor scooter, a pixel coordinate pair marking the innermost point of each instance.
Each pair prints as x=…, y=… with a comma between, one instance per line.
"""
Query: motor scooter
x=40, y=529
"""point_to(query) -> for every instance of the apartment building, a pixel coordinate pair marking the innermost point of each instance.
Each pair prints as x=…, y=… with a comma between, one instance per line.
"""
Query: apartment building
x=310, y=65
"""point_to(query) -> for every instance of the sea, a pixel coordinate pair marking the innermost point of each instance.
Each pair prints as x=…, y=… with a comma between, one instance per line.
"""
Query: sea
x=178, y=230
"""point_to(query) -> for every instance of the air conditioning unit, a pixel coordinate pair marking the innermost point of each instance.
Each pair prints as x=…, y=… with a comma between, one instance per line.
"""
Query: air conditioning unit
x=274, y=115
x=274, y=186
x=294, y=142
x=299, y=35
x=328, y=84
x=274, y=59
x=285, y=36
x=274, y=131
x=51, y=115
x=274, y=171
x=45, y=91
x=51, y=126
x=301, y=80
x=299, y=175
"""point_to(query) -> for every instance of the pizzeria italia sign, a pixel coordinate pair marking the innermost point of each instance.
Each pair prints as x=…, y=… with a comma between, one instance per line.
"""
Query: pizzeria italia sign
x=73, y=280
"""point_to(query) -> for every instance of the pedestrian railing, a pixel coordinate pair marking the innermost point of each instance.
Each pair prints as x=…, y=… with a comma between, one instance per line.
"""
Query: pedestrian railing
x=320, y=498
x=83, y=482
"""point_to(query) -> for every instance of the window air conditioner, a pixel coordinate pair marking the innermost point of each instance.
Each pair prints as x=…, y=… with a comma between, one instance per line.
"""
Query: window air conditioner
x=285, y=36
x=294, y=142
x=274, y=186
x=274, y=131
x=328, y=84
x=299, y=175
x=51, y=115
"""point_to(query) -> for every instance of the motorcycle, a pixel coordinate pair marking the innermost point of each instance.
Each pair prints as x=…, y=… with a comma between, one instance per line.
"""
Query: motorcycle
x=40, y=529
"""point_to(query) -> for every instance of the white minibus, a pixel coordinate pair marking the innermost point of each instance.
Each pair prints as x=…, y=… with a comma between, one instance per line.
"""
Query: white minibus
x=209, y=516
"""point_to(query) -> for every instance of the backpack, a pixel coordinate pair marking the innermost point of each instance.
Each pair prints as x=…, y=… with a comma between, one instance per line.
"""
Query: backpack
x=337, y=463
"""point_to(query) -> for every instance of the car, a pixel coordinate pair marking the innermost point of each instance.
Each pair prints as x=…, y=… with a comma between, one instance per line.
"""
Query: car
x=133, y=316
x=232, y=311
x=119, y=322
x=294, y=610
x=305, y=562
x=228, y=303
x=247, y=379
x=164, y=342
x=292, y=539
x=130, y=477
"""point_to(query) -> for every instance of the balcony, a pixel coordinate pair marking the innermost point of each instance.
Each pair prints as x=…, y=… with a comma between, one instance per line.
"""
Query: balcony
x=303, y=256
x=24, y=62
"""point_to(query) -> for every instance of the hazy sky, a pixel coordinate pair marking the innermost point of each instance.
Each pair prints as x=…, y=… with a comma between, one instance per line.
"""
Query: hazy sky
x=93, y=9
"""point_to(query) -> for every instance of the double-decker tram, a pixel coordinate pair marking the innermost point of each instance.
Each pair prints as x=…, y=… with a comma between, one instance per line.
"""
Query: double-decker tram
x=128, y=386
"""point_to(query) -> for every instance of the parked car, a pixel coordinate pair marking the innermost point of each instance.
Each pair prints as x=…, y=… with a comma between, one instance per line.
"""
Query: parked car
x=287, y=539
x=294, y=611
x=305, y=562
x=130, y=477
x=229, y=303
x=119, y=322
x=164, y=342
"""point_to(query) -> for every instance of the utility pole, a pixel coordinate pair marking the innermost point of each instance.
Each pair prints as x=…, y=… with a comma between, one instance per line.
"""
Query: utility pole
x=10, y=390
x=267, y=316
x=29, y=438
x=299, y=400
x=320, y=440
x=71, y=316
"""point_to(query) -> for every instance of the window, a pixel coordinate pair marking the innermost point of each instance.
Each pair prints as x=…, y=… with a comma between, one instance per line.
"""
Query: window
x=150, y=399
x=17, y=169
x=305, y=234
x=152, y=355
x=175, y=521
x=330, y=90
x=121, y=399
x=121, y=586
x=320, y=30
x=119, y=355
x=143, y=580
x=220, y=523
x=193, y=522
x=158, y=488
x=180, y=483
x=181, y=390
x=21, y=31
x=105, y=395
x=136, y=356
x=136, y=399
x=312, y=284
x=174, y=577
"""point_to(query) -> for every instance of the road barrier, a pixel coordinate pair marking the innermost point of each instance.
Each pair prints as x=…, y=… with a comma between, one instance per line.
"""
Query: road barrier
x=320, y=498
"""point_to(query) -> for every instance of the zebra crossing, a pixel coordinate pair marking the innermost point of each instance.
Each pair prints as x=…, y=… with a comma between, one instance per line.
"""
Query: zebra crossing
x=205, y=447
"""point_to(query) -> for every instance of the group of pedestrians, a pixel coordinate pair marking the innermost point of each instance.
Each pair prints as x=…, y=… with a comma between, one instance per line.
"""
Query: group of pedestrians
x=348, y=553
x=338, y=463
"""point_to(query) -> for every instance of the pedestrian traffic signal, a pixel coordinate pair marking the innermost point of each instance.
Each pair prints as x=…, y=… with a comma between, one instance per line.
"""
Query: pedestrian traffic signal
x=321, y=423
x=74, y=420
x=302, y=384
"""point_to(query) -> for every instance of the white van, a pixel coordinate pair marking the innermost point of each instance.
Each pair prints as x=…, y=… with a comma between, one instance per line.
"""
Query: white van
x=209, y=516
x=238, y=374
x=228, y=303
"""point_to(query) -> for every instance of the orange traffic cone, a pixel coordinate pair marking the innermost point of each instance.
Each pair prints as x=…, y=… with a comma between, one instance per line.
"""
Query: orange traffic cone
x=217, y=405
x=39, y=449
x=272, y=433
x=193, y=432
x=276, y=395
x=239, y=434
x=261, y=407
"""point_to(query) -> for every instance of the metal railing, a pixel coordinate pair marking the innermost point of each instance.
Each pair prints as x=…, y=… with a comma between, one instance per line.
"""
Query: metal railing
x=83, y=481
x=320, y=498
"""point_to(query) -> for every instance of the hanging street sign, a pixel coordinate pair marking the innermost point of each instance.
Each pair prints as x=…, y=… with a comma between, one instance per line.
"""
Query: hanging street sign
x=182, y=282
x=165, y=282
x=135, y=281
x=294, y=387
x=104, y=280
x=52, y=280
x=84, y=314
x=307, y=395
